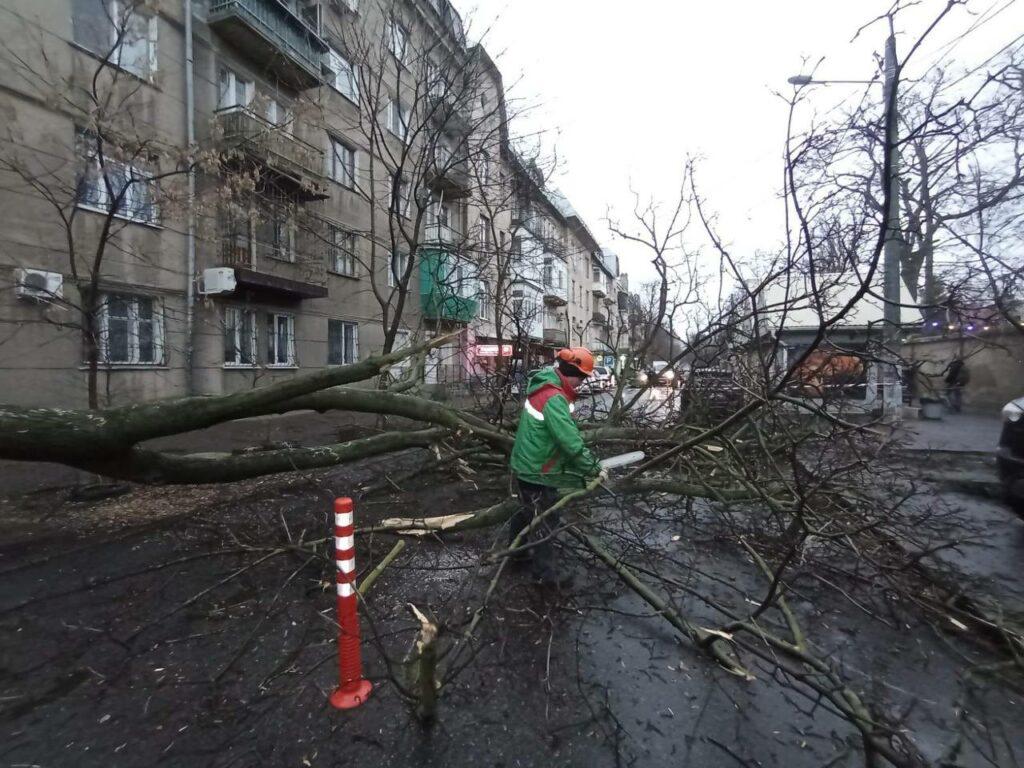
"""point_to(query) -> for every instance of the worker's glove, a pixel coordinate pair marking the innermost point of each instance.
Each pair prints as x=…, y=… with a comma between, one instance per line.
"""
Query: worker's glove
x=603, y=475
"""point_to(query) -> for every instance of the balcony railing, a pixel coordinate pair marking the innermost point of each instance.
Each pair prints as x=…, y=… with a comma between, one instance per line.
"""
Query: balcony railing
x=555, y=293
x=555, y=336
x=293, y=265
x=273, y=147
x=449, y=173
x=599, y=288
x=439, y=234
x=600, y=319
x=273, y=36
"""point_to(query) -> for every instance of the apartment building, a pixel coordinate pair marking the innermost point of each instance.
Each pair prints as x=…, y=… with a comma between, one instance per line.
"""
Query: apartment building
x=204, y=196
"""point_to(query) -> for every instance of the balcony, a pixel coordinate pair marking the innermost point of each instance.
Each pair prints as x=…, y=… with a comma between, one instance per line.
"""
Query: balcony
x=556, y=295
x=439, y=235
x=291, y=268
x=599, y=289
x=600, y=319
x=554, y=336
x=289, y=160
x=274, y=37
x=441, y=289
x=449, y=110
x=449, y=174
x=556, y=286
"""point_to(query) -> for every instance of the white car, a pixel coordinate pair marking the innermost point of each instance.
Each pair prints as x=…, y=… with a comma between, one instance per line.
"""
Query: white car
x=602, y=378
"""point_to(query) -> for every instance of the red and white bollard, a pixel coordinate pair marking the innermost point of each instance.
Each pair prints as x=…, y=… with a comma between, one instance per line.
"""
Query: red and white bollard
x=353, y=689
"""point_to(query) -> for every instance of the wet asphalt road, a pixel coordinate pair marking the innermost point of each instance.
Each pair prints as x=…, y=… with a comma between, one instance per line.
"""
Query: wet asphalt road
x=139, y=650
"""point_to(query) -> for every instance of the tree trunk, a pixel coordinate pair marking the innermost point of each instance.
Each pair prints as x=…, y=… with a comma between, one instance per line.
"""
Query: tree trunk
x=155, y=467
x=80, y=438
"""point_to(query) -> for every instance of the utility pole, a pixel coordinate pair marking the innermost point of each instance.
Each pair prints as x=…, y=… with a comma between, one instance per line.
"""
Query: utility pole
x=892, y=388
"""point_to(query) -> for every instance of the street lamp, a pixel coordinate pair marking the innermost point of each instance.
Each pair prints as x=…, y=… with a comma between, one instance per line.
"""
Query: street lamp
x=892, y=388
x=808, y=80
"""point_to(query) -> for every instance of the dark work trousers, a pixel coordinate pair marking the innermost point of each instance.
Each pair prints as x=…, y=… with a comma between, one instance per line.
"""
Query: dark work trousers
x=533, y=500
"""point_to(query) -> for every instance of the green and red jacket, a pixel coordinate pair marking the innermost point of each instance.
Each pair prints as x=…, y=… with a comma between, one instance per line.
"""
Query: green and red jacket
x=548, y=448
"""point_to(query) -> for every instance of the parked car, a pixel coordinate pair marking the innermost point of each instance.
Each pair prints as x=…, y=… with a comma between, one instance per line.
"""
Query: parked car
x=1010, y=454
x=659, y=374
x=601, y=379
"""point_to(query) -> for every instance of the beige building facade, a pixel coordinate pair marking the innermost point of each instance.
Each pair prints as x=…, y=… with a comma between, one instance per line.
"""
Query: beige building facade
x=207, y=196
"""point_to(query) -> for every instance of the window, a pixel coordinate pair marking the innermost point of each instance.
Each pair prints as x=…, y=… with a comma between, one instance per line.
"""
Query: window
x=398, y=119
x=309, y=11
x=346, y=79
x=280, y=341
x=278, y=115
x=341, y=160
x=233, y=90
x=485, y=170
x=398, y=39
x=396, y=271
x=281, y=238
x=342, y=245
x=437, y=83
x=442, y=214
x=463, y=280
x=485, y=235
x=485, y=306
x=235, y=233
x=342, y=342
x=400, y=191
x=131, y=330
x=108, y=184
x=439, y=221
x=276, y=233
x=554, y=275
x=239, y=337
x=443, y=154
x=118, y=31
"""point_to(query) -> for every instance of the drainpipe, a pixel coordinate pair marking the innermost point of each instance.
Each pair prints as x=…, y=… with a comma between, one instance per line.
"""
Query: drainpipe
x=190, y=237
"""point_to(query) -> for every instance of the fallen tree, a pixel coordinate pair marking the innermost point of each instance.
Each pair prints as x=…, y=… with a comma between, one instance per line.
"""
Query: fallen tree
x=782, y=464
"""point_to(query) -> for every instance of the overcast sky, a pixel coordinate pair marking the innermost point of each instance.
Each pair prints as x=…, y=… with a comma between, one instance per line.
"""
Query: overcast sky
x=632, y=88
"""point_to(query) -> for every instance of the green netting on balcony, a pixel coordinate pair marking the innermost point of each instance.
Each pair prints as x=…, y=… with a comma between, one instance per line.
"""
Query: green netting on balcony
x=440, y=287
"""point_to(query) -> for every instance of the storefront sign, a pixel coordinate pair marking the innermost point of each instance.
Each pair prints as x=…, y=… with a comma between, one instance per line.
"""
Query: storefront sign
x=491, y=350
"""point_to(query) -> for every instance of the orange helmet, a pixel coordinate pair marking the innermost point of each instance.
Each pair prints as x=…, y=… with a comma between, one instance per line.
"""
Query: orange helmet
x=579, y=357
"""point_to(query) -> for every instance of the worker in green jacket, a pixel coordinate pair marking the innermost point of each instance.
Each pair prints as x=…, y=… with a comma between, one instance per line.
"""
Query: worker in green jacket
x=549, y=454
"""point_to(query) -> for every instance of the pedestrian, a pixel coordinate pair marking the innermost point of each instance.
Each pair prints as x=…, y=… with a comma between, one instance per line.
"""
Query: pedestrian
x=957, y=377
x=549, y=455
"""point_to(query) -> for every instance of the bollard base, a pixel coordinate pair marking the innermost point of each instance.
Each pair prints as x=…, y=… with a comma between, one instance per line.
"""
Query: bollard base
x=351, y=695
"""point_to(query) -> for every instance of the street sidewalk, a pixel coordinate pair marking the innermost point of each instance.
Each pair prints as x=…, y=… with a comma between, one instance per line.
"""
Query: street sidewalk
x=955, y=432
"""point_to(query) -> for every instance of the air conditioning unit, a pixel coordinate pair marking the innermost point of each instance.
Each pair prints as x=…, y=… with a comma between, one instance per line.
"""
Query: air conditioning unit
x=217, y=280
x=38, y=285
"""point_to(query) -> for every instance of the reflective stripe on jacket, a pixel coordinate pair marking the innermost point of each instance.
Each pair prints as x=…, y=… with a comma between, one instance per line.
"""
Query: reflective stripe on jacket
x=549, y=449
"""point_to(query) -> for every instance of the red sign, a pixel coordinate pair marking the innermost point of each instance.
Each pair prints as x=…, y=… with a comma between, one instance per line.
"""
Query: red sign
x=491, y=350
